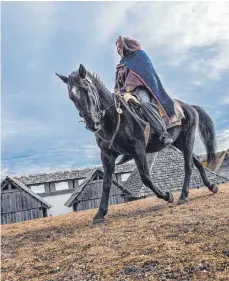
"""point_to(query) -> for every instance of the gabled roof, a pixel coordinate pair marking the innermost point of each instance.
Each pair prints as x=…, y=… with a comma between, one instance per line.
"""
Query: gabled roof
x=25, y=188
x=221, y=160
x=220, y=156
x=80, y=188
x=167, y=172
x=70, y=174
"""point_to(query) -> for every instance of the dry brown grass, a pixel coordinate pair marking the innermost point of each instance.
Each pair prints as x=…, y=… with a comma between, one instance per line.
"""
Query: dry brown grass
x=143, y=240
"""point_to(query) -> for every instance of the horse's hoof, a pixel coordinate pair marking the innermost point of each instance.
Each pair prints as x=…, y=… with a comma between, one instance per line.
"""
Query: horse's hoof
x=182, y=201
x=214, y=188
x=169, y=196
x=97, y=221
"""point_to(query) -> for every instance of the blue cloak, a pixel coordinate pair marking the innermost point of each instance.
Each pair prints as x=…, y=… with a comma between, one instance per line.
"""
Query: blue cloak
x=140, y=63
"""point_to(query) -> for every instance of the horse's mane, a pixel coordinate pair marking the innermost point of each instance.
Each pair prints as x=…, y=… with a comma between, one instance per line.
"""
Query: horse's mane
x=98, y=82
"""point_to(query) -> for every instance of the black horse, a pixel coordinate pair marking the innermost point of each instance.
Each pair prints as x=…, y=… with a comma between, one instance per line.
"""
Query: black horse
x=96, y=106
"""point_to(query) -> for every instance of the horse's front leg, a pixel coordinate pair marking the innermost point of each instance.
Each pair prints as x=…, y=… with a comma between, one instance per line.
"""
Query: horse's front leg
x=108, y=161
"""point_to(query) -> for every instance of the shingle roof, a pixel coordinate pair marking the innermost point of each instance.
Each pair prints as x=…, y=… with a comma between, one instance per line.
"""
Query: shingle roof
x=70, y=174
x=26, y=189
x=167, y=172
x=80, y=188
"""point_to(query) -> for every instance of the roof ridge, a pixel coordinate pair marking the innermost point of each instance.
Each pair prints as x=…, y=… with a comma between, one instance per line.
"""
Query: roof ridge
x=167, y=173
x=80, y=188
x=28, y=190
x=218, y=175
x=41, y=178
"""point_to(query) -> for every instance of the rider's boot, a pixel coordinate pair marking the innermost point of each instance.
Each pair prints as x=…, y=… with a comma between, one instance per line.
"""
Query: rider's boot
x=151, y=113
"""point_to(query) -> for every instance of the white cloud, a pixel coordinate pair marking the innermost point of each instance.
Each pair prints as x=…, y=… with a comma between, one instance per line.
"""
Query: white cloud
x=110, y=17
x=223, y=139
x=26, y=169
x=4, y=173
x=173, y=30
x=184, y=25
x=91, y=151
x=41, y=17
x=37, y=26
x=225, y=101
x=169, y=31
x=12, y=127
x=197, y=82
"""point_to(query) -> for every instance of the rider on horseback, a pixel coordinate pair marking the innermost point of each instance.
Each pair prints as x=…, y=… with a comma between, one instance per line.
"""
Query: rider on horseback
x=135, y=75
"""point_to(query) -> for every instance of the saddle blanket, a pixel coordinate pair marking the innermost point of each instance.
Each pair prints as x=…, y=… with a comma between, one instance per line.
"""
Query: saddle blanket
x=176, y=119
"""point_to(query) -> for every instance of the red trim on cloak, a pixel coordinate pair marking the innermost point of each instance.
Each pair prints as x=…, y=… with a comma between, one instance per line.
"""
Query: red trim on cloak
x=151, y=93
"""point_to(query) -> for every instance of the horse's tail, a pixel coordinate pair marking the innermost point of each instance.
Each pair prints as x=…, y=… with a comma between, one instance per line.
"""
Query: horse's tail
x=207, y=133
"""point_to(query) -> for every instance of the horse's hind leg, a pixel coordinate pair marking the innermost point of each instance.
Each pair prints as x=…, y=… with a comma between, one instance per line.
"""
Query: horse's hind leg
x=141, y=162
x=186, y=143
x=212, y=187
x=188, y=165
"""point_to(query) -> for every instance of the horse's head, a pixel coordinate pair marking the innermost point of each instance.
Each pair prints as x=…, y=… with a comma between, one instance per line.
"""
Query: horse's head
x=85, y=97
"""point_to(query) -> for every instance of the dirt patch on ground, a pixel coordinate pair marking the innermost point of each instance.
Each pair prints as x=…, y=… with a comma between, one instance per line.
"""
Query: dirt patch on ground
x=147, y=239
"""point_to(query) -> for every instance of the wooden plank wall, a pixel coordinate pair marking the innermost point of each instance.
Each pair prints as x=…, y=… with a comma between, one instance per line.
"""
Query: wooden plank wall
x=91, y=195
x=21, y=216
x=17, y=205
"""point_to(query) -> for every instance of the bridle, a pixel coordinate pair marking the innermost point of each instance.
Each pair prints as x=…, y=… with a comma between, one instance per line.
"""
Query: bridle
x=102, y=112
x=95, y=93
x=118, y=99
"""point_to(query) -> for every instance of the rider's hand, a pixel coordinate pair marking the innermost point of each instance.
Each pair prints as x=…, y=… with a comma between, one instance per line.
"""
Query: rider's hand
x=128, y=97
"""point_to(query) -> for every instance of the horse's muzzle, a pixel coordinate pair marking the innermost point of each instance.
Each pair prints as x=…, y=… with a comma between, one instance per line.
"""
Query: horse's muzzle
x=97, y=127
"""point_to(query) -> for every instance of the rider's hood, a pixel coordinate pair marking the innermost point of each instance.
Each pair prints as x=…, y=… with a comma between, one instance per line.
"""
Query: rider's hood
x=128, y=45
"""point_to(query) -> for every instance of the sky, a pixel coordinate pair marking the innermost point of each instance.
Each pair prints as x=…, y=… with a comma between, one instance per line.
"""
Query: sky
x=187, y=42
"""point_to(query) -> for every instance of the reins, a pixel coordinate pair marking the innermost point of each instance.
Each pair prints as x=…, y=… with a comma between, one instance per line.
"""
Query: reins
x=119, y=112
x=118, y=98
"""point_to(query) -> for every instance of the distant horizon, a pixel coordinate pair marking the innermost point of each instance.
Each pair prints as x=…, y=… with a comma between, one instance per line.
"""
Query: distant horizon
x=82, y=168
x=187, y=42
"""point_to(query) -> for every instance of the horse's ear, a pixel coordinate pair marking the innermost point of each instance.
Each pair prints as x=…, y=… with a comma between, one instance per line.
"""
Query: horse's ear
x=63, y=78
x=82, y=71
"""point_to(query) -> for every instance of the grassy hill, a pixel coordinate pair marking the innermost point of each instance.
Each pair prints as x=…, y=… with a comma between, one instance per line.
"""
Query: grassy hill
x=147, y=239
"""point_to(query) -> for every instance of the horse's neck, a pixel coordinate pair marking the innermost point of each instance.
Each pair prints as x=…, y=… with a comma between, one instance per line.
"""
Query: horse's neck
x=105, y=96
x=107, y=104
x=106, y=99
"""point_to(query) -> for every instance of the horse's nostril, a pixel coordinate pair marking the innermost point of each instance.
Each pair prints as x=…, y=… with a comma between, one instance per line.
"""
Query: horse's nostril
x=97, y=125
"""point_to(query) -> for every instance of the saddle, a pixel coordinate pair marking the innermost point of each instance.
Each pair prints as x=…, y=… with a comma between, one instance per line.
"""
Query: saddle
x=131, y=98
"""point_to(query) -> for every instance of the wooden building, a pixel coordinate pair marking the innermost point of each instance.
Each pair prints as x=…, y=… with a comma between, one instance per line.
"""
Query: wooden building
x=29, y=197
x=167, y=173
x=89, y=193
x=221, y=165
x=19, y=203
x=57, y=187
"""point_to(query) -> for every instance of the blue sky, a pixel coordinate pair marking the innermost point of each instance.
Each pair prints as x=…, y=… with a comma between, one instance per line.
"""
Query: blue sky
x=187, y=42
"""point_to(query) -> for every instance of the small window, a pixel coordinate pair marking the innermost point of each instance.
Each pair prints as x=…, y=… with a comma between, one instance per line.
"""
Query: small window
x=61, y=185
x=40, y=188
x=125, y=176
x=80, y=181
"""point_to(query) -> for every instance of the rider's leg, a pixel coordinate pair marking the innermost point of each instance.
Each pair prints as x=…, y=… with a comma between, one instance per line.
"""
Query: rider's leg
x=151, y=113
